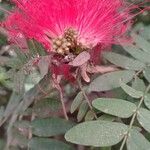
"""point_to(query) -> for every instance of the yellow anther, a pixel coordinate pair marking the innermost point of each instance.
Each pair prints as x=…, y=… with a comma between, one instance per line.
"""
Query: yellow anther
x=58, y=42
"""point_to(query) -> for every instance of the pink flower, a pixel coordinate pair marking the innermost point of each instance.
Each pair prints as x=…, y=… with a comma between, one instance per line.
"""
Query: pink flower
x=57, y=24
x=68, y=27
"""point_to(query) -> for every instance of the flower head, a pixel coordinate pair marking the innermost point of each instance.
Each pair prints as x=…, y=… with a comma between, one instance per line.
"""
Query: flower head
x=70, y=25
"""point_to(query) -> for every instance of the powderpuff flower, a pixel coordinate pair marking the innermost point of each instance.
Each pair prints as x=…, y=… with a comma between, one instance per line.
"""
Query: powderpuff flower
x=61, y=25
x=71, y=27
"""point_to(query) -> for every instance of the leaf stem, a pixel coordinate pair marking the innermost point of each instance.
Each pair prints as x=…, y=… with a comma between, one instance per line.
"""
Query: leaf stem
x=58, y=87
x=63, y=105
x=86, y=97
x=133, y=117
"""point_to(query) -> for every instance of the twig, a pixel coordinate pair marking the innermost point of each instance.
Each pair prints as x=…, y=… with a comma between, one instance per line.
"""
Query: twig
x=9, y=131
x=63, y=104
x=133, y=118
x=58, y=87
x=86, y=97
x=138, y=73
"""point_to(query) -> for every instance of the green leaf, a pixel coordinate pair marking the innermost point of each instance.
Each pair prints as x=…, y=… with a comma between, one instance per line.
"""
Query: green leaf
x=35, y=48
x=82, y=111
x=137, y=53
x=12, y=104
x=143, y=117
x=147, y=135
x=3, y=38
x=138, y=84
x=76, y=102
x=4, y=6
x=118, y=93
x=50, y=126
x=96, y=133
x=115, y=107
x=22, y=124
x=23, y=59
x=21, y=56
x=27, y=100
x=43, y=65
x=47, y=106
x=33, y=94
x=105, y=148
x=47, y=144
x=130, y=91
x=19, y=79
x=147, y=100
x=89, y=116
x=123, y=61
x=3, y=75
x=144, y=31
x=106, y=117
x=19, y=139
x=4, y=61
x=110, y=81
x=147, y=74
x=141, y=42
x=32, y=80
x=136, y=141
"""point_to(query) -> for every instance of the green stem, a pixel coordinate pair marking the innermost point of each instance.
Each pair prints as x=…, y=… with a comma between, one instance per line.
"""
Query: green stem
x=86, y=97
x=134, y=117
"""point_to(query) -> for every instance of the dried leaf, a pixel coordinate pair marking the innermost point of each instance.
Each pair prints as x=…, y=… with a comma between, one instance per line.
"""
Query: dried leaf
x=80, y=59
